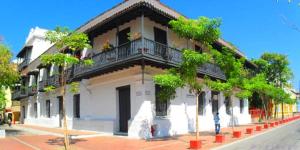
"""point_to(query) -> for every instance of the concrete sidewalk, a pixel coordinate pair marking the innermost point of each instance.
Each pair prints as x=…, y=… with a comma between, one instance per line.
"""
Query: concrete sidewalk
x=51, y=142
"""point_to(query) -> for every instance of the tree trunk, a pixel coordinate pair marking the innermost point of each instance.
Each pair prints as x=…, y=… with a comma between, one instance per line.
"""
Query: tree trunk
x=63, y=92
x=197, y=116
x=275, y=111
x=264, y=107
x=282, y=114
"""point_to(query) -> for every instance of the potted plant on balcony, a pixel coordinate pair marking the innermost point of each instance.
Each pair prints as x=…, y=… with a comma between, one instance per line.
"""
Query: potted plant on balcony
x=134, y=36
x=107, y=46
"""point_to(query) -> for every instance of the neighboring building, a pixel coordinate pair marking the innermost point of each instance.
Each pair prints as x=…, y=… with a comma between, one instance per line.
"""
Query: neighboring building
x=117, y=94
x=288, y=109
x=298, y=102
x=12, y=108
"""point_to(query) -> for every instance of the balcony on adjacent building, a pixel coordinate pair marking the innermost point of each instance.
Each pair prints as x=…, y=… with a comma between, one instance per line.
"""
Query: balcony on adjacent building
x=20, y=93
x=23, y=64
x=134, y=51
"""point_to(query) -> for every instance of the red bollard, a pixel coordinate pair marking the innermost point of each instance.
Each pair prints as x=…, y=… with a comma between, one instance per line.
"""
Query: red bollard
x=266, y=126
x=249, y=131
x=195, y=144
x=220, y=138
x=237, y=134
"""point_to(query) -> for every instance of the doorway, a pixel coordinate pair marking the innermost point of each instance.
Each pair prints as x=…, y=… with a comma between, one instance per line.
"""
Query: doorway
x=215, y=102
x=124, y=43
x=124, y=107
x=161, y=42
x=60, y=110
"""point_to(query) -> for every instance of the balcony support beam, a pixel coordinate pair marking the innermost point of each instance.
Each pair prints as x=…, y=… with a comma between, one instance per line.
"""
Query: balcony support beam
x=142, y=31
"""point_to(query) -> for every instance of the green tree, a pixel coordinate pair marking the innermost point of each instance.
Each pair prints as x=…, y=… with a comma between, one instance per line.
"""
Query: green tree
x=204, y=31
x=64, y=39
x=258, y=84
x=2, y=99
x=8, y=71
x=236, y=76
x=276, y=67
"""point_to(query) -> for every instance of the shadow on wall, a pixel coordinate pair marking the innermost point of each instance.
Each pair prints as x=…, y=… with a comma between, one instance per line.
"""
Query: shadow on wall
x=191, y=122
x=161, y=127
x=145, y=131
x=233, y=121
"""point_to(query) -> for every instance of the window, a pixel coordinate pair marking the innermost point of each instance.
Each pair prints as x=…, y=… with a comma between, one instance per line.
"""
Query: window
x=201, y=102
x=23, y=112
x=215, y=101
x=228, y=105
x=48, y=108
x=161, y=107
x=241, y=106
x=198, y=48
x=161, y=42
x=35, y=110
x=76, y=106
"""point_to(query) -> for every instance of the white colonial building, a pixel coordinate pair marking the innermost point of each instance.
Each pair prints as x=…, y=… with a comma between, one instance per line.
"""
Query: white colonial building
x=117, y=94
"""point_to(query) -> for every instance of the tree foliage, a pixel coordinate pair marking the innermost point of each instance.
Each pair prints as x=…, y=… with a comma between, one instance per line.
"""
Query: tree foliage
x=276, y=66
x=2, y=99
x=8, y=71
x=235, y=72
x=64, y=39
x=203, y=30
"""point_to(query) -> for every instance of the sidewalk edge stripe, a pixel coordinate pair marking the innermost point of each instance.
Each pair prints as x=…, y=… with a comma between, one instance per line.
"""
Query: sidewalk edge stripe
x=25, y=143
x=253, y=136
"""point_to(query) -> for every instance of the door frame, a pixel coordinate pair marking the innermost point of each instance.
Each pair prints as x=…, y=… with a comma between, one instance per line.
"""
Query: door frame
x=118, y=106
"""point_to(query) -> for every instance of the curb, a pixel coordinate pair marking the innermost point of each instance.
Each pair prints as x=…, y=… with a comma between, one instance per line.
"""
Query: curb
x=41, y=132
x=250, y=137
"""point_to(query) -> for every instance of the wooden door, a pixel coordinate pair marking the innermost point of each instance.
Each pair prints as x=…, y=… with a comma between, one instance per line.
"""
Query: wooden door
x=124, y=107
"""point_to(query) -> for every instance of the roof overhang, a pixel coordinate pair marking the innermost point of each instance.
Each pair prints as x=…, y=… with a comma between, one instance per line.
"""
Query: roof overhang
x=33, y=72
x=124, y=7
x=23, y=50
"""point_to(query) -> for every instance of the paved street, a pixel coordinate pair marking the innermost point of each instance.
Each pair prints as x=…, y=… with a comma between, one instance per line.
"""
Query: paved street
x=41, y=138
x=283, y=138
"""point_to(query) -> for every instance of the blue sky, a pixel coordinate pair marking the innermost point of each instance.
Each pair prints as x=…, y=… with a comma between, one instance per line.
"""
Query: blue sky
x=254, y=26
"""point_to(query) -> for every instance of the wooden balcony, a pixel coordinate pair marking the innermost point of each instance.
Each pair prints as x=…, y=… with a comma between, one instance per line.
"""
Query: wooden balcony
x=42, y=85
x=54, y=80
x=147, y=50
x=19, y=94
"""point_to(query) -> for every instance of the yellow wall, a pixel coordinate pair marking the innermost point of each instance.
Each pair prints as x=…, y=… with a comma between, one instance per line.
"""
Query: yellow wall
x=8, y=98
x=288, y=109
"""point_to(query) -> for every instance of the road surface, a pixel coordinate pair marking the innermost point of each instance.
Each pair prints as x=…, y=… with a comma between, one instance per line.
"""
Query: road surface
x=282, y=138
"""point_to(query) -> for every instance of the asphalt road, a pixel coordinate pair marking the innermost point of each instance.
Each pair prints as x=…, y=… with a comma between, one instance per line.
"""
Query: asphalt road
x=282, y=138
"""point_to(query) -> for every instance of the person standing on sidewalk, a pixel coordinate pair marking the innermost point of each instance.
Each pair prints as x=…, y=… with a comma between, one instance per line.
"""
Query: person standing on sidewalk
x=217, y=123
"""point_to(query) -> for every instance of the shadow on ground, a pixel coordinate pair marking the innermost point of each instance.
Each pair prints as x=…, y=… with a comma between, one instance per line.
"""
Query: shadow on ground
x=59, y=141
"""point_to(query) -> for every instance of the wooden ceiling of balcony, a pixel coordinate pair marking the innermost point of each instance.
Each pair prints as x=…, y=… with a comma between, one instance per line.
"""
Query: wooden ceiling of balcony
x=129, y=14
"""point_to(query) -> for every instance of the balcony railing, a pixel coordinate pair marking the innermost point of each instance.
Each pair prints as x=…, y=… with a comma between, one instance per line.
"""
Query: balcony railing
x=54, y=80
x=42, y=85
x=136, y=49
x=32, y=90
x=19, y=94
x=23, y=64
x=15, y=95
